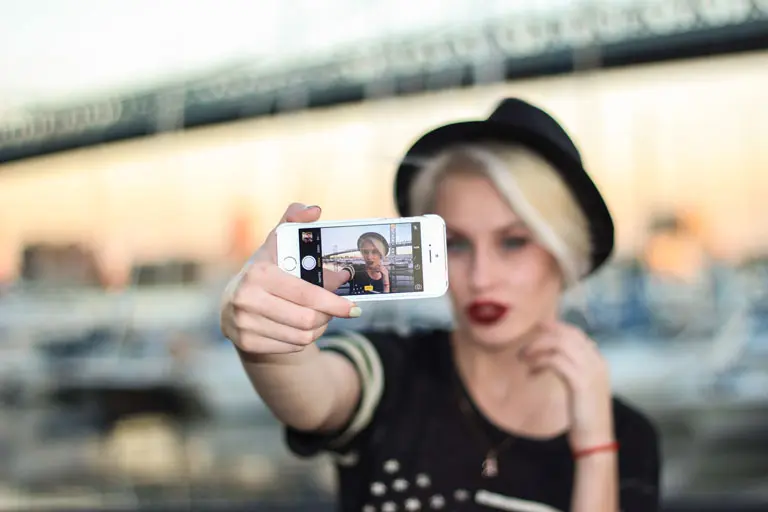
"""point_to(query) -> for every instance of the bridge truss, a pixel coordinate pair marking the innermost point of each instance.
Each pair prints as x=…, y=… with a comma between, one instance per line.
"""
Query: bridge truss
x=588, y=36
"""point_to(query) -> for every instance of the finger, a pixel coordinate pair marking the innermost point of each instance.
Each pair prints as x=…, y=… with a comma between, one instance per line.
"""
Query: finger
x=561, y=365
x=259, y=325
x=251, y=343
x=255, y=300
x=571, y=335
x=549, y=344
x=307, y=294
x=296, y=212
x=333, y=279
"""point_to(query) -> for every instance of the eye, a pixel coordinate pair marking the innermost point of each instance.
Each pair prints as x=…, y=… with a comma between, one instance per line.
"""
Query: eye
x=514, y=242
x=458, y=245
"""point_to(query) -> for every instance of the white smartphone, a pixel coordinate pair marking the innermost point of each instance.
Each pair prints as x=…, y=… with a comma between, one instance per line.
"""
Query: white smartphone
x=373, y=259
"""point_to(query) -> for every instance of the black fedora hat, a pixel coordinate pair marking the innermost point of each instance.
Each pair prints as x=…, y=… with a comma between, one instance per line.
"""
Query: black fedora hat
x=518, y=122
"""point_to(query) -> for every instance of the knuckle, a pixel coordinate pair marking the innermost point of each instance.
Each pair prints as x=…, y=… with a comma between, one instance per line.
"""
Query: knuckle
x=306, y=337
x=240, y=318
x=320, y=331
x=257, y=271
x=241, y=294
x=321, y=321
x=250, y=295
x=306, y=320
x=250, y=344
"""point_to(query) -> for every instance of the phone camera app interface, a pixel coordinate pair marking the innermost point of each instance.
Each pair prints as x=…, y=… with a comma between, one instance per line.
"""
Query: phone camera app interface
x=363, y=260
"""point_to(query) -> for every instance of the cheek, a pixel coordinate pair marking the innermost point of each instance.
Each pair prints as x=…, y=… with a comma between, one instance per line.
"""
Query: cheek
x=537, y=272
x=458, y=271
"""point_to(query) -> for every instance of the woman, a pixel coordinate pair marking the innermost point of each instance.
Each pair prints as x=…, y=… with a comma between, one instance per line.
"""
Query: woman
x=512, y=410
x=374, y=277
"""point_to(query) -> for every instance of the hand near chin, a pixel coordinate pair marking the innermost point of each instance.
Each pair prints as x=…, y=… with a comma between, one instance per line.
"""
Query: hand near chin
x=575, y=358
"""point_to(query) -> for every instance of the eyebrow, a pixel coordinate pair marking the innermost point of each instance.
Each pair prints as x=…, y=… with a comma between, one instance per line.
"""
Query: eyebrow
x=518, y=224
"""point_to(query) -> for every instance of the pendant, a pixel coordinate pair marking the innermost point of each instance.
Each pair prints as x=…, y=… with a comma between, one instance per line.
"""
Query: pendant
x=490, y=466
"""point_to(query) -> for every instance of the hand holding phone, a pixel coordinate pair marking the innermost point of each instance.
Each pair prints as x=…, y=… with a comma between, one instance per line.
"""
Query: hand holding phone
x=267, y=311
x=368, y=259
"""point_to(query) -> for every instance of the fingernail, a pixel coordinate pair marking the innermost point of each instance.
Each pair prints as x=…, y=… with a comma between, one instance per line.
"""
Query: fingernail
x=355, y=312
x=312, y=206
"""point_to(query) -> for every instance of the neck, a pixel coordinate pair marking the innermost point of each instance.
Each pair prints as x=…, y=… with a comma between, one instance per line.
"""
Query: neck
x=497, y=373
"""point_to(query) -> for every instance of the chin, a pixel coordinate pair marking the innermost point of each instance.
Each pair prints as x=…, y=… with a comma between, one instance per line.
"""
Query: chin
x=498, y=336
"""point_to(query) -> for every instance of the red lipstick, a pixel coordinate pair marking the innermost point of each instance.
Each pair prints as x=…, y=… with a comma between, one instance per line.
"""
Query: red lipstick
x=486, y=312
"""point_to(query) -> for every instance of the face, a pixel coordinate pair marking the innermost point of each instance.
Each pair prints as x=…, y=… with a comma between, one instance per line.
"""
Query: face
x=370, y=254
x=502, y=283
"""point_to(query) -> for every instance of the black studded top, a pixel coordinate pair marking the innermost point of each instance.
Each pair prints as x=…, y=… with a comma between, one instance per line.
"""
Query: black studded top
x=410, y=447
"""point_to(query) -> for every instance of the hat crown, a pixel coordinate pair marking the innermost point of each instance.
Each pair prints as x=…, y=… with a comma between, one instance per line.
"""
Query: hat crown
x=515, y=121
x=520, y=115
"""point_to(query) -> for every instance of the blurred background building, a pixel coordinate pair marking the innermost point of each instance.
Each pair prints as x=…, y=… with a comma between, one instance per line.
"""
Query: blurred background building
x=146, y=148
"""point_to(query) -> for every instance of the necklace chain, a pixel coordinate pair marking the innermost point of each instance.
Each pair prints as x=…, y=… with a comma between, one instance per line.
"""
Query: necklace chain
x=490, y=467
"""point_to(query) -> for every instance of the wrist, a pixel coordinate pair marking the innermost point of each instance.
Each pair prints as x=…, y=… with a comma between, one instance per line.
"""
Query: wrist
x=599, y=431
x=604, y=450
x=596, y=437
x=292, y=358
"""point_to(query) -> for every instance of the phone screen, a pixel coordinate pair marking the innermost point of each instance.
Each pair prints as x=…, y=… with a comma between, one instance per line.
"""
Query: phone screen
x=367, y=259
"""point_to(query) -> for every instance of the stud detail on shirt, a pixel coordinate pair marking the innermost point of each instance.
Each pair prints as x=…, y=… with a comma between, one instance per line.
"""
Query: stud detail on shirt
x=400, y=484
x=378, y=489
x=348, y=459
x=412, y=504
x=461, y=495
x=423, y=480
x=389, y=506
x=391, y=466
x=436, y=502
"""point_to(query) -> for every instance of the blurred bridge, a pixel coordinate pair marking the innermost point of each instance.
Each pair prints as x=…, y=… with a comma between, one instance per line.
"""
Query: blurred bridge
x=350, y=252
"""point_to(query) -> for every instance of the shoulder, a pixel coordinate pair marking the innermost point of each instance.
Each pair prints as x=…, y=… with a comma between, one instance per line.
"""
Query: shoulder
x=639, y=458
x=413, y=344
x=639, y=444
x=387, y=365
x=630, y=422
x=388, y=351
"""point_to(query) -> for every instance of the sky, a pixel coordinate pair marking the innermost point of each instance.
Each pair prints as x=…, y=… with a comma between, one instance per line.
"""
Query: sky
x=57, y=51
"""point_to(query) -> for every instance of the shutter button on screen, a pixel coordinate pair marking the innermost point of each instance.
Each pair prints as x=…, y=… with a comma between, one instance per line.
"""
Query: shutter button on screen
x=308, y=262
x=289, y=263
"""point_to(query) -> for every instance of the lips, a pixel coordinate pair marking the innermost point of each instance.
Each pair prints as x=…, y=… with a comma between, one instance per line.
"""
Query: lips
x=486, y=312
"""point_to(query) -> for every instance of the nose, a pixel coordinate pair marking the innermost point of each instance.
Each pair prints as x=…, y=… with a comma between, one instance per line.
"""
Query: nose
x=483, y=269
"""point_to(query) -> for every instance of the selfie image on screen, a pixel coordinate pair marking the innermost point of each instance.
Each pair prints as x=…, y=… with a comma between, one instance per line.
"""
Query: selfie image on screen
x=370, y=259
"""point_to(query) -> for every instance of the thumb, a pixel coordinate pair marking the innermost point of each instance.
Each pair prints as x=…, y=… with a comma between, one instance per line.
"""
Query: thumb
x=296, y=212
x=332, y=279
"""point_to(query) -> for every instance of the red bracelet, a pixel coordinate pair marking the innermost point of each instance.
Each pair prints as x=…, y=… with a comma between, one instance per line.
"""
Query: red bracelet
x=609, y=447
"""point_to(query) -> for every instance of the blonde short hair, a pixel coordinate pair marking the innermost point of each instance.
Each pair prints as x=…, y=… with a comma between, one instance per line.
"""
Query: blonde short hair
x=531, y=187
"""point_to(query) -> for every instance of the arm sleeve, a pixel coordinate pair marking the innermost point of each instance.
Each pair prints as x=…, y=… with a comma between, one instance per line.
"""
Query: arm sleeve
x=639, y=466
x=374, y=358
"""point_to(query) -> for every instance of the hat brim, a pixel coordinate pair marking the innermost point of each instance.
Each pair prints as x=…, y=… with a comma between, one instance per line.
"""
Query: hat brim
x=571, y=170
